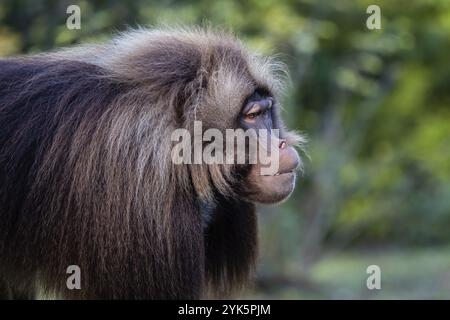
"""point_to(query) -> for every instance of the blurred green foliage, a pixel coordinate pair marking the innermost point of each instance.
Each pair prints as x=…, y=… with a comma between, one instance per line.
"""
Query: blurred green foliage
x=375, y=105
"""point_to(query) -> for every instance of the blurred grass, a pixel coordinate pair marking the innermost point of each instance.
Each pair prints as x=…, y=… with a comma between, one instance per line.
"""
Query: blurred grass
x=405, y=274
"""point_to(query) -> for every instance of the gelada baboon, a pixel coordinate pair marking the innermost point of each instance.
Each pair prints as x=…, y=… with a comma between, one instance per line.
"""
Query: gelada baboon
x=86, y=176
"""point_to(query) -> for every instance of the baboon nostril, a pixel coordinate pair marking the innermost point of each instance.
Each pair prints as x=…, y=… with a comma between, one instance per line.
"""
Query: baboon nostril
x=282, y=144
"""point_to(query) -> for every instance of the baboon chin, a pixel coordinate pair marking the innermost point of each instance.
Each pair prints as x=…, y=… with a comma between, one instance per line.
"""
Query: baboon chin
x=276, y=187
x=87, y=179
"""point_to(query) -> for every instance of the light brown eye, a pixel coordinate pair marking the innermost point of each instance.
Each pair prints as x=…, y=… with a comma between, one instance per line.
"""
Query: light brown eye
x=253, y=112
x=252, y=115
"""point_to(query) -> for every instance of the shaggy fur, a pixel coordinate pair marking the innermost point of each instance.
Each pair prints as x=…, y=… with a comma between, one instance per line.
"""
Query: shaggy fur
x=86, y=176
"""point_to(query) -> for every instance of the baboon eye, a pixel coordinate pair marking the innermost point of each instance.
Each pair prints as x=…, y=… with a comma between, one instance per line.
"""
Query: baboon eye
x=256, y=106
x=254, y=112
x=252, y=115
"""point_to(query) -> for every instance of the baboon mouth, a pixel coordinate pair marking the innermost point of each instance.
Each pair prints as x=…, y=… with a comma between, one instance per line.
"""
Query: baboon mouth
x=278, y=173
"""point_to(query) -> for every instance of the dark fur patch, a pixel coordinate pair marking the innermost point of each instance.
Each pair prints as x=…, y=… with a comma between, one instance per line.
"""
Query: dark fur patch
x=51, y=217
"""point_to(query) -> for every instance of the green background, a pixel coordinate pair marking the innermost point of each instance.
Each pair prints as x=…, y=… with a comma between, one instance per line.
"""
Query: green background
x=375, y=106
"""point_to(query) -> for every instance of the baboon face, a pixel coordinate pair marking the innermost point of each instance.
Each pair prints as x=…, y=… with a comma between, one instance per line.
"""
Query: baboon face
x=243, y=93
x=259, y=112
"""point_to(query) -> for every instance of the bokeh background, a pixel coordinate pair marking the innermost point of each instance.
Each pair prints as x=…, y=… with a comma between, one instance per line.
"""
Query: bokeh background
x=375, y=105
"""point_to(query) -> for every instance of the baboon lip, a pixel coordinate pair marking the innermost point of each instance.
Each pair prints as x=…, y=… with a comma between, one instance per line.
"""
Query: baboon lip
x=278, y=173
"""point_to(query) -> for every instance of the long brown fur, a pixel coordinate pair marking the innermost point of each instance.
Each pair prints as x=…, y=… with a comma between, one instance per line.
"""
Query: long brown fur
x=86, y=176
